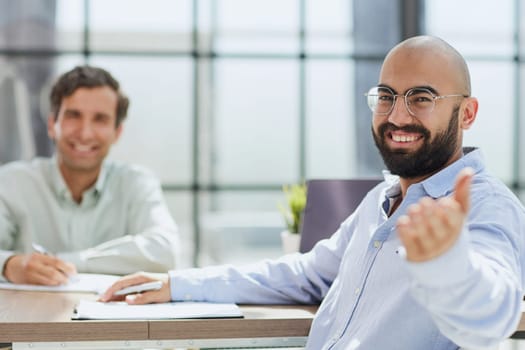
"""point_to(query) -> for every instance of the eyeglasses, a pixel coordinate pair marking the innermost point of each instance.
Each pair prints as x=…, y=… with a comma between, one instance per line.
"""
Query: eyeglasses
x=419, y=102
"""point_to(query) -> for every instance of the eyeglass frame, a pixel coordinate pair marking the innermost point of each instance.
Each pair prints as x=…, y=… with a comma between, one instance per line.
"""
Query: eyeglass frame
x=420, y=88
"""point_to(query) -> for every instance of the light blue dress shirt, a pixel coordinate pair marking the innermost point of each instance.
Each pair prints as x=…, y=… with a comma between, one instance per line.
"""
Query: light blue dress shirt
x=122, y=225
x=372, y=297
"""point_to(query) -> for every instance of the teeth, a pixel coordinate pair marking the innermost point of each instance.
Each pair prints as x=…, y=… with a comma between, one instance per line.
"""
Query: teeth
x=404, y=138
x=82, y=148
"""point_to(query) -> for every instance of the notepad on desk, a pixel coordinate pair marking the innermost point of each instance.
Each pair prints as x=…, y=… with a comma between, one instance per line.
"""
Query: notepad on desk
x=94, y=310
x=82, y=282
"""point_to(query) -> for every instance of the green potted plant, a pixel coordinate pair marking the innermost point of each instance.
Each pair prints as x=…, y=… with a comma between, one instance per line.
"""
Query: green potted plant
x=292, y=213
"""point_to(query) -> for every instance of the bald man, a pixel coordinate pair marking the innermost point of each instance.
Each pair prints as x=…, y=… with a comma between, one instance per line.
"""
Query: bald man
x=433, y=258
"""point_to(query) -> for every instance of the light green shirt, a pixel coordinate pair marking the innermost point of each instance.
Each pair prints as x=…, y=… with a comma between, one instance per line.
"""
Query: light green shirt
x=121, y=226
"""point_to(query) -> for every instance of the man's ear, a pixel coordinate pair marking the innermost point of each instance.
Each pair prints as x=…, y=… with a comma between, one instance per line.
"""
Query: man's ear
x=118, y=132
x=51, y=126
x=470, y=110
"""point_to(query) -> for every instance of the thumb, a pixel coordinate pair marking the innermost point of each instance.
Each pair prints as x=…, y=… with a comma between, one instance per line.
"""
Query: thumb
x=462, y=189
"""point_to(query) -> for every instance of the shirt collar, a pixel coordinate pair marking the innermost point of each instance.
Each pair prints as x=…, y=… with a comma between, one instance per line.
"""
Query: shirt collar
x=442, y=183
x=393, y=188
x=59, y=184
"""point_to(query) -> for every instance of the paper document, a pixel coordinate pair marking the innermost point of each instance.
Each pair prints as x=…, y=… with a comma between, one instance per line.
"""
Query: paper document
x=82, y=282
x=95, y=310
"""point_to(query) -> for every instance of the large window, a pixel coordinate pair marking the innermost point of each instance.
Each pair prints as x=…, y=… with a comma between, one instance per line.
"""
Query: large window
x=487, y=39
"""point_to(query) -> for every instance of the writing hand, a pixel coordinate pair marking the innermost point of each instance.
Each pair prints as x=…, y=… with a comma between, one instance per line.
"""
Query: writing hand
x=37, y=268
x=156, y=296
x=431, y=227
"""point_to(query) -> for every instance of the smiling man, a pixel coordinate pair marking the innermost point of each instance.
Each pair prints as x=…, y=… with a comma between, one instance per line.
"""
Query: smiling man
x=433, y=257
x=89, y=214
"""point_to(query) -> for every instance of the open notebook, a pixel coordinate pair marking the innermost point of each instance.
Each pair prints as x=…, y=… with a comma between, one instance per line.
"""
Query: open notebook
x=94, y=310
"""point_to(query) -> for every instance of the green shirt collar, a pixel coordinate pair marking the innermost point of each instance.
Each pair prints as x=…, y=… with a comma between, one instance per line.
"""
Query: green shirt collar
x=62, y=191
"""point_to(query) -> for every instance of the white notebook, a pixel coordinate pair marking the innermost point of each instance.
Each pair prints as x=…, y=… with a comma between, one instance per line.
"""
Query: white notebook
x=82, y=282
x=95, y=310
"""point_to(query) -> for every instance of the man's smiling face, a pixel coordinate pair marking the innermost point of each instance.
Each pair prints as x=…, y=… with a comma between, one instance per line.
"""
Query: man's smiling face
x=413, y=146
x=85, y=129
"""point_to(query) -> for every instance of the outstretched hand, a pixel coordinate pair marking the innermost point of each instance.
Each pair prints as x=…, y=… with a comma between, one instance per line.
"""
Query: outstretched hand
x=431, y=227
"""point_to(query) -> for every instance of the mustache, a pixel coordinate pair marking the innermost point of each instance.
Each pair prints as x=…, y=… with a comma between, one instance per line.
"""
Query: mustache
x=412, y=128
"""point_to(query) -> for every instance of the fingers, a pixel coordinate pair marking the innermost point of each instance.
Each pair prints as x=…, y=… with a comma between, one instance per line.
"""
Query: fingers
x=66, y=268
x=418, y=230
x=46, y=276
x=47, y=270
x=36, y=269
x=158, y=296
x=430, y=228
x=408, y=236
x=462, y=188
x=124, y=282
x=56, y=269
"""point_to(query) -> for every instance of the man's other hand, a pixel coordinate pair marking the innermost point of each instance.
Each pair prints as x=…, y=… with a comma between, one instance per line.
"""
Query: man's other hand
x=156, y=296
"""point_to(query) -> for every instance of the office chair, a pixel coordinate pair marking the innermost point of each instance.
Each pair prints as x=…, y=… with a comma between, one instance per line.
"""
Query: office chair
x=328, y=204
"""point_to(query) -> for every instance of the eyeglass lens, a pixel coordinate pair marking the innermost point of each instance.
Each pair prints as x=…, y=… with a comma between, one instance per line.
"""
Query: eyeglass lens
x=419, y=102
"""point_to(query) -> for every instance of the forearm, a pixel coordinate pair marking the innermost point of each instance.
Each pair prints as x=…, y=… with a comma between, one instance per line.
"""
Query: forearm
x=269, y=282
x=292, y=279
x=474, y=300
x=154, y=251
x=297, y=278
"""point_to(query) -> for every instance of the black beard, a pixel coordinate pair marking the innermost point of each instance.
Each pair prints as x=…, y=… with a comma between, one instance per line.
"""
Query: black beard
x=428, y=159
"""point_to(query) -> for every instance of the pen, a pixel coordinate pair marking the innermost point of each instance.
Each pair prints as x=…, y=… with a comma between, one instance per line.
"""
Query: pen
x=39, y=249
x=144, y=287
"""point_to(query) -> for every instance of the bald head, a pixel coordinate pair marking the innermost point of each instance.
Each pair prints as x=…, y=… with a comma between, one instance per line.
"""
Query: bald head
x=442, y=57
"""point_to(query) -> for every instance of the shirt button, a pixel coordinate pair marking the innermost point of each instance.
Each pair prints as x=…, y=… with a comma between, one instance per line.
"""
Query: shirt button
x=377, y=244
x=187, y=296
x=357, y=290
